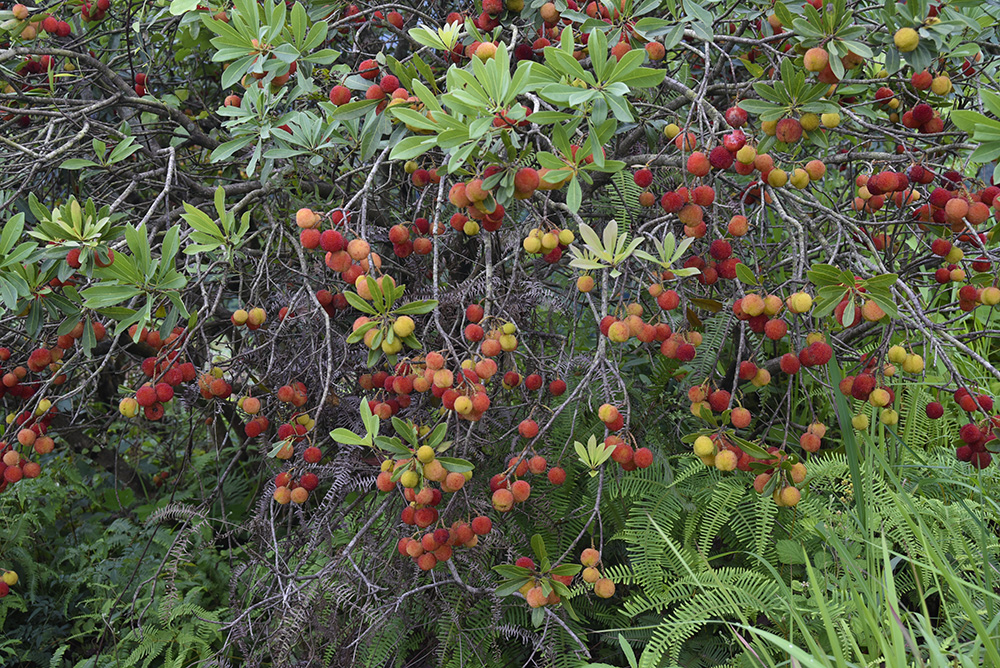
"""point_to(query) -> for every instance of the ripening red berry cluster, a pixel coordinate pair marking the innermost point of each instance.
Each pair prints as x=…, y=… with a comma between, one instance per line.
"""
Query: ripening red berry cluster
x=437, y=545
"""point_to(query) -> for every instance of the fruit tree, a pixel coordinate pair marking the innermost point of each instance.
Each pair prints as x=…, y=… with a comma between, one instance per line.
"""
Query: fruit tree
x=478, y=333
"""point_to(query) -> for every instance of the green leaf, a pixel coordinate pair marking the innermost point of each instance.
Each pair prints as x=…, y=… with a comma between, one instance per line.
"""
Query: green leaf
x=538, y=548
x=574, y=195
x=355, y=300
x=508, y=587
x=347, y=437
x=790, y=552
x=512, y=572
x=746, y=275
x=417, y=307
x=456, y=465
x=77, y=163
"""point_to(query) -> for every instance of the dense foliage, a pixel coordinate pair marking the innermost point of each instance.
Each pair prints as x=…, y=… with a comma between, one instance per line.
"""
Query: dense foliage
x=628, y=333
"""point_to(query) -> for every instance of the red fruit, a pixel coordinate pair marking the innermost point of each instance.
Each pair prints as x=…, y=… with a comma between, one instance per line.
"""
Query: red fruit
x=533, y=382
x=934, y=410
x=643, y=458
x=970, y=433
x=720, y=249
x=790, y=363
x=643, y=178
x=481, y=525
x=528, y=428
x=521, y=491
x=698, y=164
x=164, y=392
x=981, y=459
x=736, y=117
x=474, y=312
x=672, y=202
x=474, y=333
x=862, y=387
x=788, y=130
x=146, y=396
x=389, y=83
x=719, y=158
x=154, y=412
x=719, y=400
x=556, y=475
x=557, y=387
x=525, y=562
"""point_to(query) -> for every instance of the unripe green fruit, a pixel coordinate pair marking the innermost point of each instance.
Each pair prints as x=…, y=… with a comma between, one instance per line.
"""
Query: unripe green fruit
x=860, y=422
x=878, y=397
x=425, y=454
x=889, y=417
x=409, y=479
x=913, y=364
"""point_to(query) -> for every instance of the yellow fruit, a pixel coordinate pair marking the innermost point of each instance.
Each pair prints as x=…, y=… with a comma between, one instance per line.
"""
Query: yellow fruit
x=815, y=337
x=860, y=422
x=897, y=354
x=746, y=155
x=878, y=397
x=726, y=460
x=671, y=130
x=770, y=128
x=761, y=378
x=585, y=283
x=889, y=417
x=703, y=446
x=425, y=454
x=566, y=237
x=403, y=326
x=906, y=39
x=604, y=588
x=800, y=302
x=409, y=479
x=777, y=178
x=800, y=178
x=830, y=120
x=941, y=85
x=790, y=497
x=913, y=364
x=809, y=122
x=10, y=577
x=532, y=245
